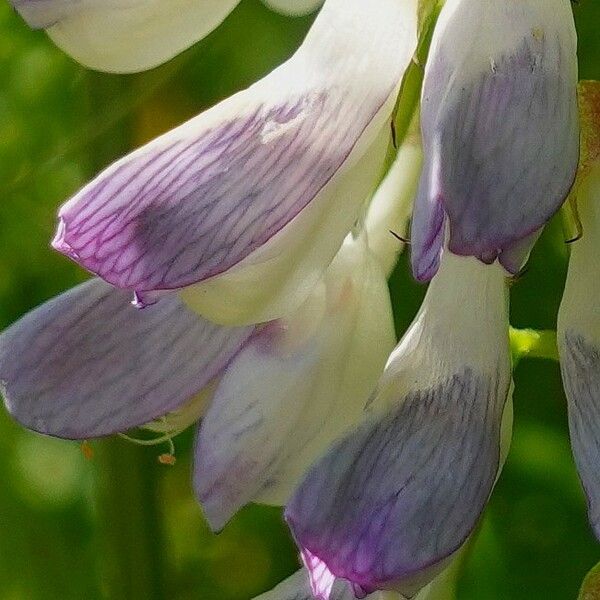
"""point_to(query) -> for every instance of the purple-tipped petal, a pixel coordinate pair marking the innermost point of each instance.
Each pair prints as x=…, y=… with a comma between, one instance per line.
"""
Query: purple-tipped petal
x=88, y=364
x=401, y=494
x=499, y=122
x=580, y=365
x=428, y=227
x=578, y=331
x=196, y=202
x=189, y=207
x=298, y=587
x=390, y=503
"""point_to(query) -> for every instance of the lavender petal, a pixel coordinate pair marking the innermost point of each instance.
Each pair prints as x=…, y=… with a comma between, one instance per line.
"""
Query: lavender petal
x=88, y=364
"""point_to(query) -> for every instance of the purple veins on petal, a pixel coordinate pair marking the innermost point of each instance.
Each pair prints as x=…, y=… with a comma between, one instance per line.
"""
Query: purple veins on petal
x=321, y=578
x=505, y=185
x=88, y=364
x=428, y=227
x=388, y=504
x=191, y=206
x=501, y=135
x=580, y=365
x=298, y=587
x=197, y=201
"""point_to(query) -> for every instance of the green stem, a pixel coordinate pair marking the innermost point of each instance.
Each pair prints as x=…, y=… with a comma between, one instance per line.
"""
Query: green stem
x=129, y=522
x=533, y=344
x=130, y=535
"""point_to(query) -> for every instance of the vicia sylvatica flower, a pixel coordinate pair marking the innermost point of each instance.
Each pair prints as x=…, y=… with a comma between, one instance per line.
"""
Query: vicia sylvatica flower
x=297, y=587
x=267, y=319
x=272, y=397
x=579, y=316
x=391, y=502
x=500, y=133
x=133, y=35
x=294, y=387
x=242, y=208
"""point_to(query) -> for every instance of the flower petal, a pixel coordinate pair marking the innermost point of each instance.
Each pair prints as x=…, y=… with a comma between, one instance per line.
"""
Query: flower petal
x=428, y=227
x=392, y=501
x=515, y=257
x=578, y=318
x=499, y=121
x=297, y=385
x=294, y=8
x=580, y=365
x=124, y=36
x=260, y=190
x=88, y=364
x=297, y=587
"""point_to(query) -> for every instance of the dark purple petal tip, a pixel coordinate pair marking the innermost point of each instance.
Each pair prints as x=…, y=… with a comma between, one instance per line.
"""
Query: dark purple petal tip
x=391, y=502
x=501, y=137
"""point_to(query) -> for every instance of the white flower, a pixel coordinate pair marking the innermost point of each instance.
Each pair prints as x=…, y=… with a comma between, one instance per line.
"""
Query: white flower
x=500, y=130
x=133, y=35
x=579, y=315
x=394, y=499
x=242, y=208
x=271, y=397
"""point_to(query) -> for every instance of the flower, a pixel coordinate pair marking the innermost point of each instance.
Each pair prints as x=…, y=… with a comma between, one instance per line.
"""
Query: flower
x=264, y=187
x=243, y=233
x=87, y=364
x=133, y=35
x=579, y=319
x=500, y=133
x=294, y=387
x=297, y=587
x=271, y=397
x=389, y=504
x=393, y=500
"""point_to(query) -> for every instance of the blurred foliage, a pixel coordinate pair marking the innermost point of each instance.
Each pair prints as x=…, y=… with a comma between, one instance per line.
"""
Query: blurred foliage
x=117, y=524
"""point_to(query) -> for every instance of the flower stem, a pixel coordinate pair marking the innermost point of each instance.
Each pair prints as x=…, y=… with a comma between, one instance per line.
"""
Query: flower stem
x=129, y=522
x=532, y=343
x=130, y=535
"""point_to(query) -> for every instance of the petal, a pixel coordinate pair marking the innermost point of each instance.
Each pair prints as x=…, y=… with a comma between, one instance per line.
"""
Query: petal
x=296, y=386
x=88, y=364
x=262, y=188
x=297, y=587
x=391, y=502
x=579, y=319
x=499, y=122
x=124, y=36
x=515, y=257
x=294, y=8
x=428, y=227
x=580, y=365
x=391, y=206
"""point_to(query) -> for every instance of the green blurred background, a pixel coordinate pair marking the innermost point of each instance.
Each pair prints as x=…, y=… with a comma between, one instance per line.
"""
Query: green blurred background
x=120, y=525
